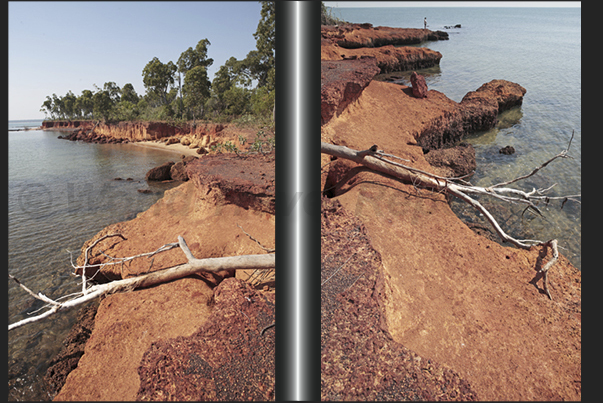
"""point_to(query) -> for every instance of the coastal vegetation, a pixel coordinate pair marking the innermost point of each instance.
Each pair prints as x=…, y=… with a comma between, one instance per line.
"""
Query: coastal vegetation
x=326, y=16
x=241, y=90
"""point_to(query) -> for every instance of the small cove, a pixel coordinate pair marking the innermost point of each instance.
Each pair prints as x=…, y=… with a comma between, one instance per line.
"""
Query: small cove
x=61, y=193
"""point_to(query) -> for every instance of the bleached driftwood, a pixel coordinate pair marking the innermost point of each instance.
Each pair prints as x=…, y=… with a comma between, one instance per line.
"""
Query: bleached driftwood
x=375, y=160
x=193, y=265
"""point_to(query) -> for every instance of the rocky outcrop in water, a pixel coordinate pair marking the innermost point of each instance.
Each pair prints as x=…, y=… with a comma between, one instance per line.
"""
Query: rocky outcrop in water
x=441, y=122
x=366, y=36
x=355, y=41
x=507, y=150
x=160, y=173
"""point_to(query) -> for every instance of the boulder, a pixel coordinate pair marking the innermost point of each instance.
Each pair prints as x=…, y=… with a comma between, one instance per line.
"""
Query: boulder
x=419, y=86
x=160, y=173
x=178, y=172
x=506, y=94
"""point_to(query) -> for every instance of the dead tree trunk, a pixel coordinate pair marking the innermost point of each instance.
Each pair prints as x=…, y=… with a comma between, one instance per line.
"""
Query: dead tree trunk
x=194, y=265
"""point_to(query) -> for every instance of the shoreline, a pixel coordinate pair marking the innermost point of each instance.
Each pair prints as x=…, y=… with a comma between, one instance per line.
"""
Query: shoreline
x=175, y=148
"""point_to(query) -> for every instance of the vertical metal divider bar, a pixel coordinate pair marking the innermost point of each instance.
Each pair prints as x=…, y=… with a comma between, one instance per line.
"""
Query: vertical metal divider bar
x=298, y=200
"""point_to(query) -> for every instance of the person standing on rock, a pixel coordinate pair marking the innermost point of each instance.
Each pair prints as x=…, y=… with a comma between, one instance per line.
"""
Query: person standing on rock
x=425, y=23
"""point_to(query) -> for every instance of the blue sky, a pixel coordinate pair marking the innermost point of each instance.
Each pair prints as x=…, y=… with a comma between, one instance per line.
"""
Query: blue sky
x=54, y=47
x=452, y=3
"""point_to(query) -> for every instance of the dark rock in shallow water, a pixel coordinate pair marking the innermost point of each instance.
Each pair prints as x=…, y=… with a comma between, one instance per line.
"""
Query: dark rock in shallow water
x=508, y=150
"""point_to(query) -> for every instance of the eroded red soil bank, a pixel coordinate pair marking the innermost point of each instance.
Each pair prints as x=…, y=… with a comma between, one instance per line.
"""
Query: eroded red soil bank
x=137, y=334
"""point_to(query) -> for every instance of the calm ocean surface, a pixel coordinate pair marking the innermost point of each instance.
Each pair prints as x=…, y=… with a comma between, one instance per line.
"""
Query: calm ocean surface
x=538, y=48
x=61, y=193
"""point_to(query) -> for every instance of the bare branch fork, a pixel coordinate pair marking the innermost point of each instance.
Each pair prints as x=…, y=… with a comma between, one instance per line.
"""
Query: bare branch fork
x=375, y=160
x=193, y=265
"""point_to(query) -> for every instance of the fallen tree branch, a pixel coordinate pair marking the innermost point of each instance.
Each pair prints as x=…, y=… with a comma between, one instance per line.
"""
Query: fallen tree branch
x=258, y=276
x=375, y=160
x=548, y=265
x=422, y=179
x=193, y=265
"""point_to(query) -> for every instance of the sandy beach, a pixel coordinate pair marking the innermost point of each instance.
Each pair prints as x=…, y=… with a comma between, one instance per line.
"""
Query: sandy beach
x=176, y=148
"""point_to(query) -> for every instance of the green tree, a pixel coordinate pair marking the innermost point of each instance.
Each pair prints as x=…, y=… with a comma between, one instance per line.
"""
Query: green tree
x=85, y=103
x=69, y=105
x=126, y=110
x=196, y=90
x=102, y=104
x=262, y=101
x=57, y=106
x=190, y=60
x=261, y=61
x=236, y=101
x=158, y=78
x=194, y=57
x=47, y=108
x=226, y=78
x=128, y=93
x=113, y=91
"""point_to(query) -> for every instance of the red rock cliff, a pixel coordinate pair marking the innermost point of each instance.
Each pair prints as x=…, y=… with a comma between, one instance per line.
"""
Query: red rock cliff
x=137, y=131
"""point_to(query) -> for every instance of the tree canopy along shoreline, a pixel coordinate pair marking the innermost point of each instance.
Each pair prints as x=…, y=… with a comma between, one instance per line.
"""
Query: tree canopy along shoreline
x=182, y=90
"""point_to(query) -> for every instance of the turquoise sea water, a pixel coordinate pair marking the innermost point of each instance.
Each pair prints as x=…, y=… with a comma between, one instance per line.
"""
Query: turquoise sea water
x=538, y=48
x=61, y=193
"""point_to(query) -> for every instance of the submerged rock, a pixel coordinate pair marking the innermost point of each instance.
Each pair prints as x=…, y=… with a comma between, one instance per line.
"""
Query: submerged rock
x=508, y=150
x=453, y=162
